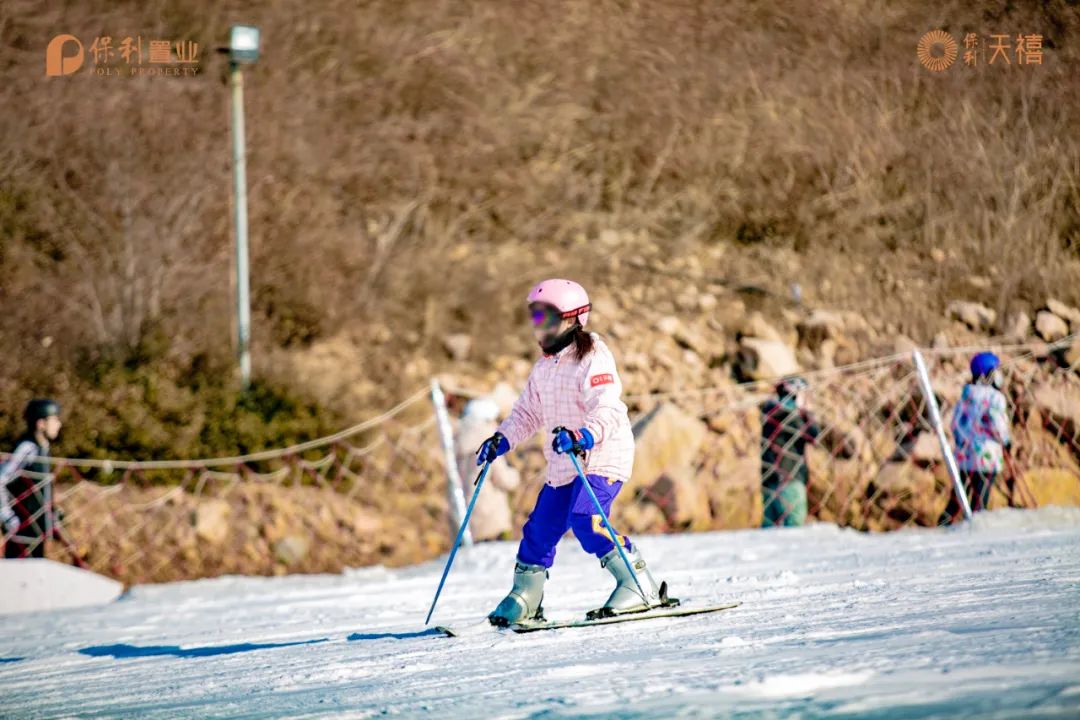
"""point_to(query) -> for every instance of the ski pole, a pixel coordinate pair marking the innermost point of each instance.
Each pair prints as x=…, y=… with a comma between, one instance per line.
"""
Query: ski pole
x=607, y=524
x=460, y=535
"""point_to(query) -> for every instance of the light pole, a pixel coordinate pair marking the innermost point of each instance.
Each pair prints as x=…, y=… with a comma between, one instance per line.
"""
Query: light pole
x=243, y=50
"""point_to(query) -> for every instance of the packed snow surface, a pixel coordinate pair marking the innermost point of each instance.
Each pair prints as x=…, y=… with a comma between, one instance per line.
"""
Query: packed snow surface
x=979, y=621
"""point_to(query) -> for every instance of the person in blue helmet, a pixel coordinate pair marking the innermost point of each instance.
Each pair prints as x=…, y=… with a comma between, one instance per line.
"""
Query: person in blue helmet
x=980, y=428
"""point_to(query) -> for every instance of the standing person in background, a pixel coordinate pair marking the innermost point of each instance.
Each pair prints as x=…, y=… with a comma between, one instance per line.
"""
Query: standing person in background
x=26, y=493
x=980, y=428
x=491, y=518
x=787, y=427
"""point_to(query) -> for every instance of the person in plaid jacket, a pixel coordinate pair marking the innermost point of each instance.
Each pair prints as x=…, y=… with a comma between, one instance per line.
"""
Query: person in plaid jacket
x=574, y=385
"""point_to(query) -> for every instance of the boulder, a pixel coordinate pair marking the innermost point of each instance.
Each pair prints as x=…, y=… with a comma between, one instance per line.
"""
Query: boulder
x=902, y=344
x=1072, y=355
x=927, y=449
x=1018, y=326
x=819, y=327
x=734, y=493
x=826, y=357
x=1066, y=312
x=836, y=489
x=640, y=516
x=722, y=422
x=291, y=549
x=761, y=359
x=668, y=325
x=687, y=301
x=690, y=339
x=211, y=521
x=666, y=439
x=904, y=494
x=457, y=346
x=755, y=325
x=1053, y=486
x=842, y=437
x=977, y=317
x=366, y=524
x=683, y=500
x=275, y=527
x=1059, y=406
x=1049, y=326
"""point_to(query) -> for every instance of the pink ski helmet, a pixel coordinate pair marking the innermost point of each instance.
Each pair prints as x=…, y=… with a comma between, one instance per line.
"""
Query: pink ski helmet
x=565, y=295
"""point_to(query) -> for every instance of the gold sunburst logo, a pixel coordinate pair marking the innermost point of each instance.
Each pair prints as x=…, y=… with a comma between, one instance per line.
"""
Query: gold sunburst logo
x=937, y=39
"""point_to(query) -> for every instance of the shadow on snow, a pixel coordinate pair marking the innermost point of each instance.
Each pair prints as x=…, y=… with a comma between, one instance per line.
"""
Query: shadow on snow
x=124, y=651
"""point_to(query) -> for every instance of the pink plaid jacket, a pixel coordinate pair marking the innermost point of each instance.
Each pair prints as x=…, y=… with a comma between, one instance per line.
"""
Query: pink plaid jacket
x=586, y=394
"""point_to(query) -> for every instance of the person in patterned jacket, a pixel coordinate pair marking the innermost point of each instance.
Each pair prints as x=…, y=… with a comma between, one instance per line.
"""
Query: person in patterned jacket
x=980, y=428
x=574, y=385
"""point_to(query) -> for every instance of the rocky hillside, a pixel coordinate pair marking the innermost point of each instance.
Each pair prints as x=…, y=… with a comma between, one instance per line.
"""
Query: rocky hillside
x=413, y=169
x=877, y=467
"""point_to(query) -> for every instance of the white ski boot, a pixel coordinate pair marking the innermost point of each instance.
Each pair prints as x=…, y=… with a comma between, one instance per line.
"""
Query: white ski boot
x=525, y=598
x=626, y=597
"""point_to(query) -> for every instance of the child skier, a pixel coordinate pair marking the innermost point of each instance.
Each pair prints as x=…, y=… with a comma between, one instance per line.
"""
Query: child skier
x=574, y=385
x=980, y=427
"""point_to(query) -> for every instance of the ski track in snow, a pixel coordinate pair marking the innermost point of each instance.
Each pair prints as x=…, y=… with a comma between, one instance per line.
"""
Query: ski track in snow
x=971, y=622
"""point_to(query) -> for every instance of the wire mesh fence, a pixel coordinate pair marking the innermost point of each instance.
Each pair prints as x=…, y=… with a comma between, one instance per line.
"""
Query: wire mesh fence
x=320, y=502
x=858, y=450
x=860, y=442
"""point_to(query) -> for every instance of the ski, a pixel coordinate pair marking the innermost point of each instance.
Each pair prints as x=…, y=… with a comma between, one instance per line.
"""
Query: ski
x=630, y=617
x=480, y=628
x=673, y=612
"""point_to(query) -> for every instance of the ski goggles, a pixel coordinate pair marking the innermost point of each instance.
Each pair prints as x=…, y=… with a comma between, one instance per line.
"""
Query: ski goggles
x=544, y=316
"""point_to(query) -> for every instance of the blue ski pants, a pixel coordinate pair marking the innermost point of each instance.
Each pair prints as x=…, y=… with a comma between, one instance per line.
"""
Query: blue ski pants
x=569, y=507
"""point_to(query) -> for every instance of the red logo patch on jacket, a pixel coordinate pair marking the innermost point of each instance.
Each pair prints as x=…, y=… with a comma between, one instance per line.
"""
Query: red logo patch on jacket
x=605, y=379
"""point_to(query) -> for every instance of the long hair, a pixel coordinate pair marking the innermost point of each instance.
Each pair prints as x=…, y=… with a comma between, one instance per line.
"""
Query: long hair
x=583, y=342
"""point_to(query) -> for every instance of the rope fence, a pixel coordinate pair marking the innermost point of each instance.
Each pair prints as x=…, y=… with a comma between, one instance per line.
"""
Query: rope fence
x=863, y=447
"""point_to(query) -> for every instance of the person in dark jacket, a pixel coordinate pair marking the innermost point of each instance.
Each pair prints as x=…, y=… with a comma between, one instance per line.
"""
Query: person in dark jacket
x=27, y=513
x=787, y=427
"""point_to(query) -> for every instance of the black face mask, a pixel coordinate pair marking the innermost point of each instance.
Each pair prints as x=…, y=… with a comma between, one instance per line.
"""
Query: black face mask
x=557, y=343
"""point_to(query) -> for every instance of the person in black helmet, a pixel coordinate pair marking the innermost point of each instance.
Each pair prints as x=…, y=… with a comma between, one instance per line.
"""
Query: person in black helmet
x=787, y=427
x=27, y=514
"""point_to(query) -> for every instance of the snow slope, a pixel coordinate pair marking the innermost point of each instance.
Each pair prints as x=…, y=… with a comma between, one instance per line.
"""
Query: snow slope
x=974, y=622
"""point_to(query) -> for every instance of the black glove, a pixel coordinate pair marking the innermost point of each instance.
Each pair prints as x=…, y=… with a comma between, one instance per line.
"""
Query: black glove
x=492, y=448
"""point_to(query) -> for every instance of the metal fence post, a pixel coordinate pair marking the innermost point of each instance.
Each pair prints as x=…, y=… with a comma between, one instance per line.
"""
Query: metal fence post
x=935, y=419
x=243, y=296
x=454, y=489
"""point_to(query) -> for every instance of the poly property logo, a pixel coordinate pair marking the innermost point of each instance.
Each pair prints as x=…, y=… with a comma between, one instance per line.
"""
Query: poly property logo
x=129, y=57
x=937, y=50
